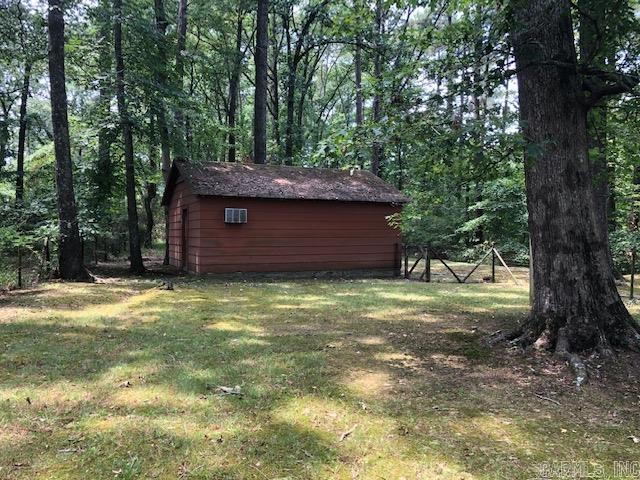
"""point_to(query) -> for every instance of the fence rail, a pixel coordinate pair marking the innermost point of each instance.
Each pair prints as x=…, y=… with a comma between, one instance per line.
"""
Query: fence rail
x=428, y=253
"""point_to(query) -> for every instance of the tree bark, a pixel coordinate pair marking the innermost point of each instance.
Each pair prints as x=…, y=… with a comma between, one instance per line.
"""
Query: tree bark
x=70, y=265
x=179, y=137
x=358, y=82
x=104, y=171
x=22, y=133
x=151, y=188
x=576, y=305
x=161, y=80
x=234, y=87
x=163, y=130
x=135, y=252
x=593, y=51
x=377, y=153
x=260, y=97
x=275, y=87
x=4, y=131
x=290, y=109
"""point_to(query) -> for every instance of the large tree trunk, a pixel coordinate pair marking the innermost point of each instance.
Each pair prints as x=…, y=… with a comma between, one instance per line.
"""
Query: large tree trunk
x=22, y=133
x=179, y=136
x=163, y=130
x=260, y=97
x=576, y=305
x=135, y=252
x=70, y=265
x=234, y=87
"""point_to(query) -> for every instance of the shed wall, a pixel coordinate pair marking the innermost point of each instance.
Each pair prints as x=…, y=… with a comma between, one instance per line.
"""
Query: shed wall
x=180, y=200
x=283, y=235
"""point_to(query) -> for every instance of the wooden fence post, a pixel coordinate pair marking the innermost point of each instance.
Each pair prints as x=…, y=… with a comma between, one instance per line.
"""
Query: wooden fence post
x=493, y=265
x=427, y=270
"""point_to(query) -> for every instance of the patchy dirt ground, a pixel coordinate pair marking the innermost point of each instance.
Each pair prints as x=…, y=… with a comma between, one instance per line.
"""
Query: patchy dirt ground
x=336, y=379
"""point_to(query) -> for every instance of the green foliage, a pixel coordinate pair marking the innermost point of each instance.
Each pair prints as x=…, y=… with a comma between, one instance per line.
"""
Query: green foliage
x=448, y=98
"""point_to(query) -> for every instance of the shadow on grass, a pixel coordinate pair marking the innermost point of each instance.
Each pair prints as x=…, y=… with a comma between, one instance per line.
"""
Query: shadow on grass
x=132, y=389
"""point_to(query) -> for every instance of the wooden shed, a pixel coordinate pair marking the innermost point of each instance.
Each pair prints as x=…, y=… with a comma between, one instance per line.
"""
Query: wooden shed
x=232, y=217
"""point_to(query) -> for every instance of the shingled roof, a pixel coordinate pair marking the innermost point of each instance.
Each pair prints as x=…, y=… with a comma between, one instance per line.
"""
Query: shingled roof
x=281, y=182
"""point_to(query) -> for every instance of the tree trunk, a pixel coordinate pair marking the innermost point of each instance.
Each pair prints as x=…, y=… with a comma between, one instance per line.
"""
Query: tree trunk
x=378, y=148
x=260, y=97
x=135, y=253
x=576, y=304
x=69, y=252
x=290, y=108
x=104, y=171
x=22, y=133
x=163, y=130
x=593, y=51
x=4, y=133
x=358, y=81
x=179, y=137
x=234, y=87
x=275, y=88
x=359, y=97
x=151, y=187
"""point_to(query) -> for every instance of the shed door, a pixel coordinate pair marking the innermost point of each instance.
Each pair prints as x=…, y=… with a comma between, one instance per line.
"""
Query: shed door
x=185, y=239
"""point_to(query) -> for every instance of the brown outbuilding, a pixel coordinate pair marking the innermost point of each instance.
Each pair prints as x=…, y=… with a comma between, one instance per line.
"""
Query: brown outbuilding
x=233, y=217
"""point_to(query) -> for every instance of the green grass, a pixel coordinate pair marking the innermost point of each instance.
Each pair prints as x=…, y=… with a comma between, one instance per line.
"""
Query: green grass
x=119, y=380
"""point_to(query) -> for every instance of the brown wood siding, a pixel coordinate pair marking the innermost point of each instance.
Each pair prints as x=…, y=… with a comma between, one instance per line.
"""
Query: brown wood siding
x=183, y=199
x=281, y=235
x=293, y=235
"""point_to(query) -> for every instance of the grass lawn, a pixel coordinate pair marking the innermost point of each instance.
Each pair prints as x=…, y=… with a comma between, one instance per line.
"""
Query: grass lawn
x=340, y=379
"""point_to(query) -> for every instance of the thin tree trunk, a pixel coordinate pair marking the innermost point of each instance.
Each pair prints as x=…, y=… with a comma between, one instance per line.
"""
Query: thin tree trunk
x=4, y=133
x=275, y=87
x=151, y=187
x=179, y=137
x=22, y=134
x=135, y=253
x=104, y=174
x=378, y=147
x=260, y=98
x=234, y=87
x=69, y=252
x=161, y=79
x=576, y=304
x=359, y=98
x=479, y=107
x=163, y=130
x=290, y=108
x=358, y=82
x=593, y=51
